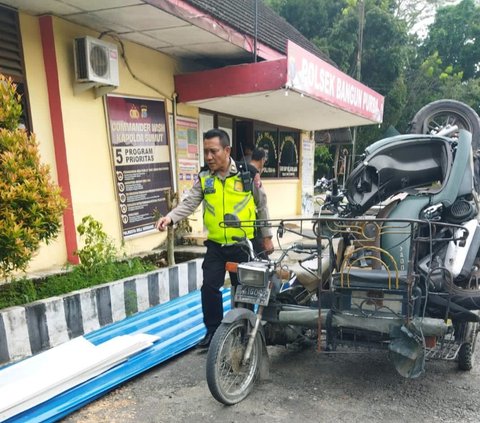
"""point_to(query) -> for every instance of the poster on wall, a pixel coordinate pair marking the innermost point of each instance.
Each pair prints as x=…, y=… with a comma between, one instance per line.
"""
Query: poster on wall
x=187, y=138
x=288, y=154
x=308, y=158
x=187, y=176
x=187, y=151
x=308, y=155
x=268, y=141
x=141, y=160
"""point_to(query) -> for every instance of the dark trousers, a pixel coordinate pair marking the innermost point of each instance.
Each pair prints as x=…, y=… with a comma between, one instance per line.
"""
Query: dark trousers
x=214, y=277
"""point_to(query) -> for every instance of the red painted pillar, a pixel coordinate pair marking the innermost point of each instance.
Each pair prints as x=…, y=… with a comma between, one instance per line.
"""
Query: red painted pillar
x=56, y=117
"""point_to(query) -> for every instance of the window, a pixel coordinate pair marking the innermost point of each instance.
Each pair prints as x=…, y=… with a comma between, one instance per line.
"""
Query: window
x=281, y=146
x=11, y=57
x=267, y=138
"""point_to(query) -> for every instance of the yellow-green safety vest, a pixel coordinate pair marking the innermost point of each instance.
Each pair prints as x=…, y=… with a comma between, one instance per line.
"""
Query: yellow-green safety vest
x=222, y=197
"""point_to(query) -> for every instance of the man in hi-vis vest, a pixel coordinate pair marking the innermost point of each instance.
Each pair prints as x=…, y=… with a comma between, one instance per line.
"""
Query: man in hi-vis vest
x=223, y=191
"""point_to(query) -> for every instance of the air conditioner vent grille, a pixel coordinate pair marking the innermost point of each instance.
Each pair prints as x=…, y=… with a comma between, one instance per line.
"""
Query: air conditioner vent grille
x=81, y=60
x=99, y=60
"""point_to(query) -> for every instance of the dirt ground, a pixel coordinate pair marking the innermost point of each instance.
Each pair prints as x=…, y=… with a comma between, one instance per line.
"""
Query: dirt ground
x=303, y=386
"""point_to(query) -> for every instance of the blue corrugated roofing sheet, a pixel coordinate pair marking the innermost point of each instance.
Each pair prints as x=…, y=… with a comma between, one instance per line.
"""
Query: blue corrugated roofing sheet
x=178, y=323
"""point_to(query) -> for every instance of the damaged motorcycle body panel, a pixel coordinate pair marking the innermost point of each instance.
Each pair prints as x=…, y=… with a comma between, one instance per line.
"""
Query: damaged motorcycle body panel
x=421, y=166
x=397, y=164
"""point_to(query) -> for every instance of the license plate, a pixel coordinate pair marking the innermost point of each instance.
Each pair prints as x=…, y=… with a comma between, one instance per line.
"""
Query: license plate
x=252, y=295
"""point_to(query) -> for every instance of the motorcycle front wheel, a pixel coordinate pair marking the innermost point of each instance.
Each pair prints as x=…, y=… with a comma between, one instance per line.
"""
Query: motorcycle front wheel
x=229, y=380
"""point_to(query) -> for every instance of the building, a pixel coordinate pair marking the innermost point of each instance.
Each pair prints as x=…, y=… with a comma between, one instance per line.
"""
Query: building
x=119, y=117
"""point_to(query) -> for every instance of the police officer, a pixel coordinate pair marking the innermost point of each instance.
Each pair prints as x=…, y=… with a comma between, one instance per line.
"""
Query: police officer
x=223, y=191
x=258, y=160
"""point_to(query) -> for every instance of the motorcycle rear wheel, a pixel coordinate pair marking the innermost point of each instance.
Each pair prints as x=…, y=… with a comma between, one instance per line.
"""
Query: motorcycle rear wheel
x=436, y=115
x=228, y=379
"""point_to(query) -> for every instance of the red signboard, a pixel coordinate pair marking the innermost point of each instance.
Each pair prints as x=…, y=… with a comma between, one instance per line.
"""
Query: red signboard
x=316, y=78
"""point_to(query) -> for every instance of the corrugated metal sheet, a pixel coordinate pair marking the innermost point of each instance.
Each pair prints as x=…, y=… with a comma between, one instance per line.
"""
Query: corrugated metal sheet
x=178, y=323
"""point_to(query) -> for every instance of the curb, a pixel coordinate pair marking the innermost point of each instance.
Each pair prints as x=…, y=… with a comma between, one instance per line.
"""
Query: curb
x=27, y=330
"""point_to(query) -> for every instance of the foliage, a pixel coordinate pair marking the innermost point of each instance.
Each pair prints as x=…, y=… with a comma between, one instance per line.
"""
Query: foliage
x=98, y=248
x=413, y=12
x=312, y=18
x=385, y=54
x=24, y=290
x=98, y=265
x=455, y=35
x=323, y=162
x=430, y=81
x=10, y=104
x=447, y=63
x=31, y=205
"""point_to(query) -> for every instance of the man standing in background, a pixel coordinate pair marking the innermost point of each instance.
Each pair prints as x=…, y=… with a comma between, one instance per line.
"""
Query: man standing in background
x=259, y=157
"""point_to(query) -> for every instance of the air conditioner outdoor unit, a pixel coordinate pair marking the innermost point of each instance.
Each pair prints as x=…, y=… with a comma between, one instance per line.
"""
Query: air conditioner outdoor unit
x=96, y=61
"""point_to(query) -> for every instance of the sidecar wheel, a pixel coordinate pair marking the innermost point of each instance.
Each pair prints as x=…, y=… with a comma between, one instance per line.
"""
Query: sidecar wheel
x=228, y=379
x=467, y=332
x=465, y=357
x=436, y=115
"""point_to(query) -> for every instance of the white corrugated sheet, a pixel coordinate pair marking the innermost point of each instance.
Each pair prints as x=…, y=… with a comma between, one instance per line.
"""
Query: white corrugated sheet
x=33, y=381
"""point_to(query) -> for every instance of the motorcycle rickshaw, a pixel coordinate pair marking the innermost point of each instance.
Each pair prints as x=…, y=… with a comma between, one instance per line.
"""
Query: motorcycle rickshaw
x=392, y=262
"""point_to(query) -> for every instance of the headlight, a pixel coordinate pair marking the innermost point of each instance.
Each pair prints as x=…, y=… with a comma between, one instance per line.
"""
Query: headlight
x=253, y=274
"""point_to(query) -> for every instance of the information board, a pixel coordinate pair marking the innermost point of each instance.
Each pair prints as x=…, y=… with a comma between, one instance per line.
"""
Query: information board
x=141, y=160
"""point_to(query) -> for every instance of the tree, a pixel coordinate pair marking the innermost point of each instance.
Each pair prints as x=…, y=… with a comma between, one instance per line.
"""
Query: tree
x=455, y=35
x=447, y=62
x=415, y=13
x=429, y=81
x=31, y=205
x=313, y=18
x=323, y=162
x=385, y=54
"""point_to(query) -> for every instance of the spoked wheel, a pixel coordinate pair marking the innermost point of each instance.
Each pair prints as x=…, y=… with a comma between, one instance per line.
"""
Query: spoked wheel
x=229, y=380
x=441, y=114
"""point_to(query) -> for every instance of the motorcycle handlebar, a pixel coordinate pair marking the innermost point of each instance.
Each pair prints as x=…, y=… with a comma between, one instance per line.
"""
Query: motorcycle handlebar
x=305, y=246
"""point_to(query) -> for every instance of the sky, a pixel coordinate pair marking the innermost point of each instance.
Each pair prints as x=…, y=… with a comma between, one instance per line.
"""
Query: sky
x=421, y=28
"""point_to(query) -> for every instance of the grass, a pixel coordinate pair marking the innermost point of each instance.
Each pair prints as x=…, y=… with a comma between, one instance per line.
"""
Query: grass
x=25, y=290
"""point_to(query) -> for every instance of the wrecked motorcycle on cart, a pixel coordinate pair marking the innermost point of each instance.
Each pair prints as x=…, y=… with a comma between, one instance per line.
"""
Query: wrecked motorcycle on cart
x=390, y=263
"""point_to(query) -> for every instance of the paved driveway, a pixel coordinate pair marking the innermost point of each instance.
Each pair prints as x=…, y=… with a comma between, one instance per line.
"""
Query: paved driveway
x=303, y=386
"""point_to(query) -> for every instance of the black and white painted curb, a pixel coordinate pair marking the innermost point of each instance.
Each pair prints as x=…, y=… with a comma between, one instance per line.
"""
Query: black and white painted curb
x=29, y=329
